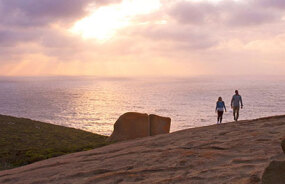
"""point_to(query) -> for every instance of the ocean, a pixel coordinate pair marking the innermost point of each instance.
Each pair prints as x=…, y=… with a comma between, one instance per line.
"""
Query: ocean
x=94, y=104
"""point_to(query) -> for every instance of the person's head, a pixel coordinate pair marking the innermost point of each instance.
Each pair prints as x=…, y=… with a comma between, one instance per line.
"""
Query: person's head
x=236, y=91
x=220, y=99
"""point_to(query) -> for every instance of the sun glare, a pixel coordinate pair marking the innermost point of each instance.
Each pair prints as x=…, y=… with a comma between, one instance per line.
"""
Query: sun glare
x=104, y=22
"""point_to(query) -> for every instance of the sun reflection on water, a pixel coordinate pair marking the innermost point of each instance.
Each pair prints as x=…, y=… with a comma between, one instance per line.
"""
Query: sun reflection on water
x=95, y=104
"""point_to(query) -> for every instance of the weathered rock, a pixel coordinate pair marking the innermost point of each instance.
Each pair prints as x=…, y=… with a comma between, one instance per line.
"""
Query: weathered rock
x=283, y=145
x=159, y=124
x=134, y=125
x=274, y=173
x=130, y=125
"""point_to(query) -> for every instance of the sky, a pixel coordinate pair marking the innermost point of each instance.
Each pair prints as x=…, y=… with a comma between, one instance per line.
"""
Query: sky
x=142, y=37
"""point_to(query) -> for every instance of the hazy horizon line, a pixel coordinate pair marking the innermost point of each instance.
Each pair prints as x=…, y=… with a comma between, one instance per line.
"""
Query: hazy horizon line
x=141, y=76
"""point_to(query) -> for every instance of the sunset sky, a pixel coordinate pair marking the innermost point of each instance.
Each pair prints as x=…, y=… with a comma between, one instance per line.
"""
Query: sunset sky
x=142, y=37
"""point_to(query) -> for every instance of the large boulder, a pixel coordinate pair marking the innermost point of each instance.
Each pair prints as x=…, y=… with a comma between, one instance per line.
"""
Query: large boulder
x=130, y=125
x=274, y=173
x=159, y=124
x=134, y=125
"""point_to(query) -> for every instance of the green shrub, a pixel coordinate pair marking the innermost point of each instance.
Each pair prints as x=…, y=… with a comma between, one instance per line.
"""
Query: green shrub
x=24, y=141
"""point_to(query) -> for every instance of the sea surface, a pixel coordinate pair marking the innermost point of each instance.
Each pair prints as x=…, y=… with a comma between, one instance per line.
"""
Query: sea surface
x=94, y=104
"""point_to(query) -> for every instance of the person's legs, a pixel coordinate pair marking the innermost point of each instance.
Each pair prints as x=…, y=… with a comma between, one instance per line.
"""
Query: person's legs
x=234, y=113
x=218, y=118
x=237, y=113
x=221, y=115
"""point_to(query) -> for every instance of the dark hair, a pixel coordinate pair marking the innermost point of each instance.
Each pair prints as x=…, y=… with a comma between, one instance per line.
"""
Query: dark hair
x=220, y=99
x=236, y=91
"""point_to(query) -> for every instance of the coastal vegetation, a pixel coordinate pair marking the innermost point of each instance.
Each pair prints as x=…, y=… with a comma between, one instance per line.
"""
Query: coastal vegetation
x=24, y=141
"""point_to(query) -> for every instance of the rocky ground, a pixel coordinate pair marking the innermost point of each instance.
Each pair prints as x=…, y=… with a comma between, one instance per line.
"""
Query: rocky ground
x=227, y=153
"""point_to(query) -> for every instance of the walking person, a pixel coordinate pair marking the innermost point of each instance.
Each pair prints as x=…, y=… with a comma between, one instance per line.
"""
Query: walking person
x=220, y=107
x=236, y=103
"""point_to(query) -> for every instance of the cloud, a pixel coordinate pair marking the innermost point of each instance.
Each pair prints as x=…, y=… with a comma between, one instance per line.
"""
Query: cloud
x=246, y=16
x=193, y=13
x=24, y=21
x=29, y=13
x=179, y=36
x=32, y=21
x=190, y=33
x=226, y=13
x=279, y=4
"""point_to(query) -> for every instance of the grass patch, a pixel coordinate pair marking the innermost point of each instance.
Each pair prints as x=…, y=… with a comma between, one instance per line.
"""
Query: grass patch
x=24, y=141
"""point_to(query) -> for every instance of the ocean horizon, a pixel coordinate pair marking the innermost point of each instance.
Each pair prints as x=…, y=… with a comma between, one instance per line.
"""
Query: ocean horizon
x=95, y=103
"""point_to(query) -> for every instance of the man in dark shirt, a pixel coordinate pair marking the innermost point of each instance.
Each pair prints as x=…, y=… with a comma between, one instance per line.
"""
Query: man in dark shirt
x=236, y=103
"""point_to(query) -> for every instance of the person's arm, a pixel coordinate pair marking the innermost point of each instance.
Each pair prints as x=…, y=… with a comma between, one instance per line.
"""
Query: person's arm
x=232, y=101
x=216, y=107
x=241, y=102
x=225, y=107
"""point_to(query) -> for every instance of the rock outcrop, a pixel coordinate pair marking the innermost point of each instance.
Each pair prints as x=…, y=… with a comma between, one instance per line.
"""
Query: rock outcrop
x=130, y=125
x=159, y=124
x=134, y=125
x=274, y=173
